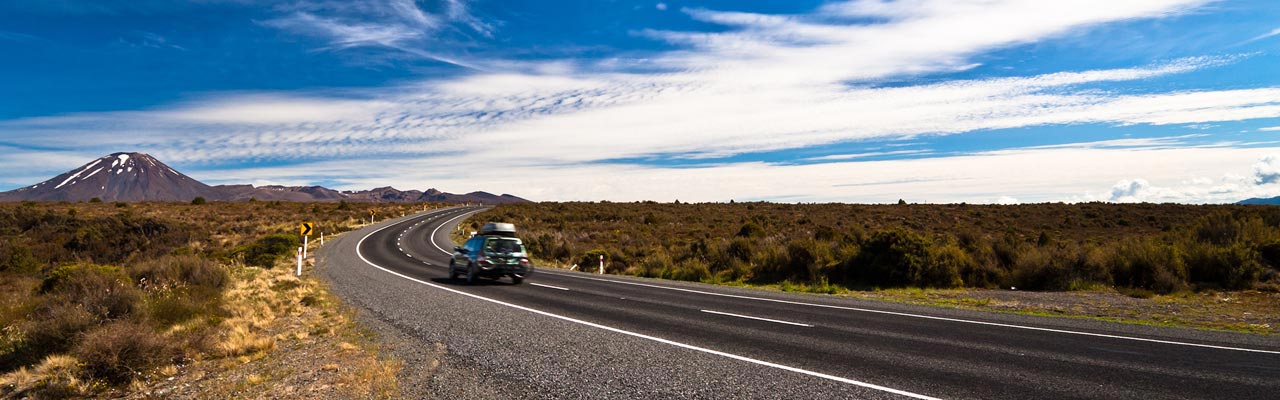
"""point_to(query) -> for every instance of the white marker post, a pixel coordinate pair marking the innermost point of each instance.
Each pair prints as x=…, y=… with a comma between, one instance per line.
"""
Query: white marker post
x=602, y=264
x=299, y=261
x=322, y=238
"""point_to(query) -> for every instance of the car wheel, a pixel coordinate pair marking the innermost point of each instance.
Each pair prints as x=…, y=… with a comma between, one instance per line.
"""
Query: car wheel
x=453, y=270
x=471, y=274
x=516, y=280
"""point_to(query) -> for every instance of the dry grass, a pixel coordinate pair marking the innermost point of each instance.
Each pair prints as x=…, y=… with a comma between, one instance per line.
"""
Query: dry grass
x=286, y=337
x=58, y=376
x=261, y=330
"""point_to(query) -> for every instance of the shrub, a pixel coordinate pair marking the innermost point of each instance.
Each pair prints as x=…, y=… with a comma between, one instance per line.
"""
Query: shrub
x=750, y=230
x=15, y=257
x=948, y=264
x=50, y=329
x=1270, y=253
x=591, y=260
x=103, y=291
x=198, y=201
x=1148, y=264
x=1044, y=269
x=891, y=259
x=179, y=270
x=1231, y=267
x=740, y=249
x=267, y=251
x=120, y=351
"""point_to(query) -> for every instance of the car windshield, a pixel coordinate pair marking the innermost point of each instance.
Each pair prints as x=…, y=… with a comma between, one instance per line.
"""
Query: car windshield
x=503, y=246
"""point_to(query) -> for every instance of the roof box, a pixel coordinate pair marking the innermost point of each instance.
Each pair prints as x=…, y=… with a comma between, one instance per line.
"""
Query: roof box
x=498, y=229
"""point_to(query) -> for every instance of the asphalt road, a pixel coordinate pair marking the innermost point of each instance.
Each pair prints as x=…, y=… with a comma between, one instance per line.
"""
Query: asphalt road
x=568, y=334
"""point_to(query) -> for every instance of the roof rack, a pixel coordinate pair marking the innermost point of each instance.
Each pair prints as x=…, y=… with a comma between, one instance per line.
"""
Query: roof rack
x=498, y=229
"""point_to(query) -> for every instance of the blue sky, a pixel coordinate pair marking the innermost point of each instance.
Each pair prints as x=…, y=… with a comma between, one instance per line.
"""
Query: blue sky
x=991, y=101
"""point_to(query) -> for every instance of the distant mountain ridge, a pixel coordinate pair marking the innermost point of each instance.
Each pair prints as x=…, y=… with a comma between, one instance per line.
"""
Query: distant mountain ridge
x=140, y=177
x=1262, y=201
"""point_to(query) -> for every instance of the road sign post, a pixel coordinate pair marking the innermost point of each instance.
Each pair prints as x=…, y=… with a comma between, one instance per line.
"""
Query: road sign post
x=305, y=230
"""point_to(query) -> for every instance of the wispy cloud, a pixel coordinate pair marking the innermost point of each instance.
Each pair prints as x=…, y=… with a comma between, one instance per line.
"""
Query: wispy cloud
x=1272, y=33
x=398, y=25
x=762, y=83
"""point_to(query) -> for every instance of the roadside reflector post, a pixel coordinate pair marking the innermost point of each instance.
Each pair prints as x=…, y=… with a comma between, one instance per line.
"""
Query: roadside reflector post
x=304, y=246
x=602, y=264
x=322, y=238
x=299, y=261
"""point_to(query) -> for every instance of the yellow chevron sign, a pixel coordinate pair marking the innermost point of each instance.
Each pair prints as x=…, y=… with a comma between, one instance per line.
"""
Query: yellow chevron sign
x=306, y=228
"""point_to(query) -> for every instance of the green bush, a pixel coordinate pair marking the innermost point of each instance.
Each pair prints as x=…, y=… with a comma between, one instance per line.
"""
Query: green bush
x=1231, y=267
x=1149, y=264
x=949, y=264
x=1044, y=269
x=267, y=251
x=591, y=260
x=892, y=258
x=750, y=230
x=15, y=257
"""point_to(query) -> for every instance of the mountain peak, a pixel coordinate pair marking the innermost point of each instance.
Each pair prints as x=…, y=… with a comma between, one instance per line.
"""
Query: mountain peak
x=124, y=176
x=134, y=176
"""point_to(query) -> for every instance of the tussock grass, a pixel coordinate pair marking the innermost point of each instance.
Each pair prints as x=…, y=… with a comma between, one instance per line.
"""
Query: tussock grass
x=98, y=299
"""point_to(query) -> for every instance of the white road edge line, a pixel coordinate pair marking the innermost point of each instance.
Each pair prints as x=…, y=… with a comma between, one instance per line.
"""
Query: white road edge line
x=901, y=314
x=548, y=286
x=432, y=238
x=633, y=334
x=757, y=318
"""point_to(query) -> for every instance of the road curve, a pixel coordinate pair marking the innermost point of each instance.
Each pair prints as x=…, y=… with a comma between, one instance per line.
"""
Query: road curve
x=569, y=334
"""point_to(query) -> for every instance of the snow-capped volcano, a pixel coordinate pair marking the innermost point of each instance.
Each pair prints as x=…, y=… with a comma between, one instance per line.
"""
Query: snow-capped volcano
x=140, y=177
x=117, y=177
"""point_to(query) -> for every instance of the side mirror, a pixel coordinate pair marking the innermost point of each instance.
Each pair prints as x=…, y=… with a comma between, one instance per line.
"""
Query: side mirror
x=459, y=249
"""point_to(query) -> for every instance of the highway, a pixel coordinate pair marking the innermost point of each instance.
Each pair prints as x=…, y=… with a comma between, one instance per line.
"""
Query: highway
x=566, y=334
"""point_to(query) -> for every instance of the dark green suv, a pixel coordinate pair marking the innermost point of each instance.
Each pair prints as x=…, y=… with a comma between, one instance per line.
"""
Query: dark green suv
x=493, y=253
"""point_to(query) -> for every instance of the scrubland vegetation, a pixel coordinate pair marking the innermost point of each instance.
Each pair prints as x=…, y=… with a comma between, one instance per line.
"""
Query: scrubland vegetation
x=99, y=298
x=1138, y=249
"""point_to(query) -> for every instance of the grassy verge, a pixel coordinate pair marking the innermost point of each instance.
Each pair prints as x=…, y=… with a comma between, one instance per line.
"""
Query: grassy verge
x=1247, y=311
x=178, y=300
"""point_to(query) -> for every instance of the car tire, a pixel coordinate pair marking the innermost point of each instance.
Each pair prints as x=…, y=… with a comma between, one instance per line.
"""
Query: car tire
x=453, y=270
x=516, y=280
x=471, y=274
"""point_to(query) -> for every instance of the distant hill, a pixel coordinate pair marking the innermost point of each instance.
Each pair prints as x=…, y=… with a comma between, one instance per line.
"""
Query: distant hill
x=140, y=177
x=1270, y=201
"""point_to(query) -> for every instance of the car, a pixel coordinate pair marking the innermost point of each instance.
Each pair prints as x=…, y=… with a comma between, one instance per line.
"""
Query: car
x=494, y=252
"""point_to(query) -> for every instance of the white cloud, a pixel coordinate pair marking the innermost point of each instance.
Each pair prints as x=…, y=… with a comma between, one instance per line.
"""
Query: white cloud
x=768, y=82
x=1130, y=191
x=1272, y=33
x=1006, y=200
x=1269, y=129
x=1267, y=170
x=393, y=24
x=1030, y=176
x=660, y=6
